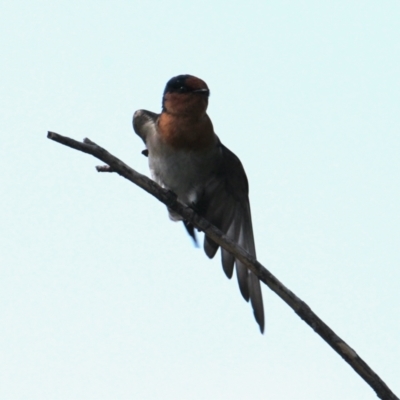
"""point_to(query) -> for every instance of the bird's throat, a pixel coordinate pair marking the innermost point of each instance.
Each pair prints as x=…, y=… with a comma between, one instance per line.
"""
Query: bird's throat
x=186, y=132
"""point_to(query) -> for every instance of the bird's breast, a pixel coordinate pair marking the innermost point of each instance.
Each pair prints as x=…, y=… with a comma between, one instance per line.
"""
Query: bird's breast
x=183, y=170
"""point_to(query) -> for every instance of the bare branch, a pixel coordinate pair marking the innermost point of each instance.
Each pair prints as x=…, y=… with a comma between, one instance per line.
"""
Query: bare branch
x=299, y=306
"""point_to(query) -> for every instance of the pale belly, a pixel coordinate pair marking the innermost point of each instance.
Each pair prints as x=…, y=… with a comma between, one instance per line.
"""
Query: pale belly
x=184, y=172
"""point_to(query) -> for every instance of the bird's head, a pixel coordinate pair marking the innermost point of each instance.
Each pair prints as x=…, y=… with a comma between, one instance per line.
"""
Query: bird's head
x=185, y=95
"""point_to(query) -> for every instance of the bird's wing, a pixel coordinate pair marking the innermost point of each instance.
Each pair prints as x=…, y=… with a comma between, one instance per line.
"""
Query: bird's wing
x=144, y=123
x=225, y=204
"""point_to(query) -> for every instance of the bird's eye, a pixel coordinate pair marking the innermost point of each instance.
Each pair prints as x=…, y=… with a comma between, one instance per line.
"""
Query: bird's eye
x=177, y=85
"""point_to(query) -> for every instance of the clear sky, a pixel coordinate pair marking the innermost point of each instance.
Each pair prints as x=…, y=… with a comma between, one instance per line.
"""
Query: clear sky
x=102, y=296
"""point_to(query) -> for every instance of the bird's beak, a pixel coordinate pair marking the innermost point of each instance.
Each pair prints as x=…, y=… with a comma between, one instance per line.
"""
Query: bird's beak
x=201, y=91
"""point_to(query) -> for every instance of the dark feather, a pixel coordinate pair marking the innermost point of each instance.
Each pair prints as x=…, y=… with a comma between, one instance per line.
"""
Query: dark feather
x=228, y=209
x=210, y=247
x=191, y=231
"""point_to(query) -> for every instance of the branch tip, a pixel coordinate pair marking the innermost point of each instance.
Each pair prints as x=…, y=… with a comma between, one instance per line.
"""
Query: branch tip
x=104, y=168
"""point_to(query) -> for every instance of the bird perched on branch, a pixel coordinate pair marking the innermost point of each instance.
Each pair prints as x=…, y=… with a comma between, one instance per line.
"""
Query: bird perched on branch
x=187, y=157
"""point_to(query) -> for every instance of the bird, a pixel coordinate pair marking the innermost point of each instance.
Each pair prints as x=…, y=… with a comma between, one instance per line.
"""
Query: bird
x=187, y=157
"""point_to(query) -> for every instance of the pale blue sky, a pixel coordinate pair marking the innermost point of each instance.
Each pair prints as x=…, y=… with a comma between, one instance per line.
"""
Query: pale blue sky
x=102, y=296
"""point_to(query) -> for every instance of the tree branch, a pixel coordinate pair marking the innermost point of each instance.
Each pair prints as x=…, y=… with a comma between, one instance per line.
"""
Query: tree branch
x=299, y=306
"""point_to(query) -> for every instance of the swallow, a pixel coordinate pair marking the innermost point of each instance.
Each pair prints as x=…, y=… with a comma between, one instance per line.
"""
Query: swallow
x=187, y=157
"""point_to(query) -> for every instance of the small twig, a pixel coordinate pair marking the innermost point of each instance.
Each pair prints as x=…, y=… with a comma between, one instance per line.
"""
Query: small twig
x=104, y=168
x=299, y=307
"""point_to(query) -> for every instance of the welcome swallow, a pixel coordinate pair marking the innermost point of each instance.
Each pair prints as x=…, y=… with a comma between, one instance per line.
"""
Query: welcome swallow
x=187, y=157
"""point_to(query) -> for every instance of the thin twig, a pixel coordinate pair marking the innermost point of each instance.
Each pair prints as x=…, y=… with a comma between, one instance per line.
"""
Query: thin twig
x=299, y=307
